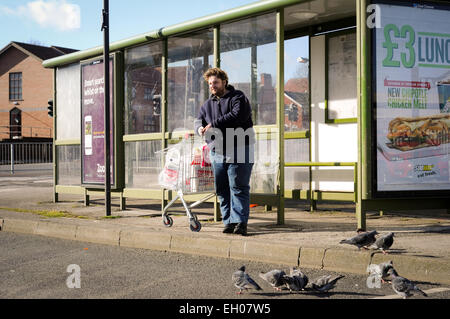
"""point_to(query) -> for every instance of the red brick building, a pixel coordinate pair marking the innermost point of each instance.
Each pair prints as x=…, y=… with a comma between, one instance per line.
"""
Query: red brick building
x=25, y=88
x=296, y=98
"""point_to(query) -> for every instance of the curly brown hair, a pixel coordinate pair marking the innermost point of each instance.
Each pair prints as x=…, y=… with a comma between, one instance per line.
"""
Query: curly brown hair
x=221, y=74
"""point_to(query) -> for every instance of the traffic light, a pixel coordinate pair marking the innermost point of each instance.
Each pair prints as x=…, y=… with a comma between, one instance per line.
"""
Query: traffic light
x=50, y=108
x=293, y=113
x=157, y=104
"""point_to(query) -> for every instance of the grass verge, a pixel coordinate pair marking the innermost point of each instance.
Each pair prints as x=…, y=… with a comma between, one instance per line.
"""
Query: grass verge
x=44, y=213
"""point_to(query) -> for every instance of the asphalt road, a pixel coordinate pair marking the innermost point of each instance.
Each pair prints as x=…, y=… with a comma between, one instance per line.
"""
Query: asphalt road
x=28, y=170
x=40, y=267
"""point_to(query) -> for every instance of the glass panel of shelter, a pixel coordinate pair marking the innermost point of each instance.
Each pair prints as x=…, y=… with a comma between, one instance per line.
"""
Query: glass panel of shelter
x=189, y=56
x=296, y=84
x=296, y=110
x=143, y=84
x=142, y=164
x=69, y=165
x=248, y=55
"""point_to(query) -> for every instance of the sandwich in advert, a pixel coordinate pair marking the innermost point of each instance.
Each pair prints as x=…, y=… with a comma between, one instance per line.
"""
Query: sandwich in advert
x=407, y=134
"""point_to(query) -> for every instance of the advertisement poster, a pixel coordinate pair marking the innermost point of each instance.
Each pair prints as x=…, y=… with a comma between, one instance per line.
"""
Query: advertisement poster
x=412, y=96
x=92, y=123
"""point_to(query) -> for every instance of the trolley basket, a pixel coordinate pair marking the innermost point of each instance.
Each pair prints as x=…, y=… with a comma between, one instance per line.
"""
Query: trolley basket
x=187, y=170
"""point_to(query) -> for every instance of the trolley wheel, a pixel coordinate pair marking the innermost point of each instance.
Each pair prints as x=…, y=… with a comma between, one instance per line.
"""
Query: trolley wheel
x=167, y=221
x=195, y=225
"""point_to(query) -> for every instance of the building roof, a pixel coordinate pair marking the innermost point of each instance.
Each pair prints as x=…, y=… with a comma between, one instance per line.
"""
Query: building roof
x=299, y=85
x=38, y=51
x=63, y=50
x=297, y=97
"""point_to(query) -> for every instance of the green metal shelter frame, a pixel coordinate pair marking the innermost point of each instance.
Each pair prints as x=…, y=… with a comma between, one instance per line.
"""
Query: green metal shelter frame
x=362, y=194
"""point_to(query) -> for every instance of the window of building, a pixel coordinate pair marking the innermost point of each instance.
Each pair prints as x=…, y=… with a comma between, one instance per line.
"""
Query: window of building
x=148, y=94
x=149, y=123
x=15, y=86
x=15, y=123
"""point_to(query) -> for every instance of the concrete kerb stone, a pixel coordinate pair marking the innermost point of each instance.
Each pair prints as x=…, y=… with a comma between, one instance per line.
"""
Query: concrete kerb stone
x=192, y=244
x=145, y=240
x=417, y=268
x=311, y=257
x=237, y=249
x=59, y=230
x=265, y=252
x=98, y=235
x=20, y=226
x=346, y=260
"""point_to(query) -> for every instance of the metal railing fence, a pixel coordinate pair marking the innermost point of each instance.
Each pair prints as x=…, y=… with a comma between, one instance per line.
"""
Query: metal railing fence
x=25, y=153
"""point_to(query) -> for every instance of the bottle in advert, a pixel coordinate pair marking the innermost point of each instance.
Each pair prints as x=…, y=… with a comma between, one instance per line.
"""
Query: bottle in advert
x=444, y=96
x=88, y=135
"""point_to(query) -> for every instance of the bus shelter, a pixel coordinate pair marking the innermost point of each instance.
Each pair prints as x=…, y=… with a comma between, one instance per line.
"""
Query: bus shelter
x=350, y=102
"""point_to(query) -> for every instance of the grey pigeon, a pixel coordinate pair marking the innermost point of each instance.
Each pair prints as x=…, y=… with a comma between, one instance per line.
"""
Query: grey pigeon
x=384, y=242
x=402, y=286
x=325, y=283
x=380, y=270
x=296, y=280
x=361, y=240
x=243, y=281
x=276, y=278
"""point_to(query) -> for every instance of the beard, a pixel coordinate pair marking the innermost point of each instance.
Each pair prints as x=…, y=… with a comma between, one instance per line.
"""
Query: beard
x=219, y=91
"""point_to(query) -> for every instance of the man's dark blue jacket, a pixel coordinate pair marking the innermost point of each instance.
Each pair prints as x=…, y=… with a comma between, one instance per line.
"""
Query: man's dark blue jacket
x=232, y=110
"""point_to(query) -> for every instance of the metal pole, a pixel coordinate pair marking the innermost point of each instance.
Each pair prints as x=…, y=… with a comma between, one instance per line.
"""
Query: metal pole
x=105, y=29
x=12, y=158
x=280, y=114
x=164, y=122
x=363, y=113
x=55, y=162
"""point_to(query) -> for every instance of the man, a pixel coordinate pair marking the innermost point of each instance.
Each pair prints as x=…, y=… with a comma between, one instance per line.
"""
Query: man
x=225, y=120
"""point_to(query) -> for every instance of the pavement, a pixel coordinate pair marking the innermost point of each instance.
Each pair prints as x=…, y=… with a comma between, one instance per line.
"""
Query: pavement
x=421, y=249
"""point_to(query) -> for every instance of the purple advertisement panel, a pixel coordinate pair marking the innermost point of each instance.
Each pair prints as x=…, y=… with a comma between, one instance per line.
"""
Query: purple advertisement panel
x=92, y=123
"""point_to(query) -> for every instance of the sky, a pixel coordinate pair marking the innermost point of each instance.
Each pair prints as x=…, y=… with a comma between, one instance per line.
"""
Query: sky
x=76, y=23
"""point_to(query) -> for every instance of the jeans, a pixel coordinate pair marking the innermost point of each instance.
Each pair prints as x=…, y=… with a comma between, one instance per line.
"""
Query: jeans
x=232, y=184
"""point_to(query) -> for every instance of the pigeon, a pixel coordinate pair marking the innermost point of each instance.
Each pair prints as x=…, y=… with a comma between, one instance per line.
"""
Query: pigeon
x=384, y=242
x=243, y=281
x=402, y=286
x=296, y=280
x=380, y=270
x=325, y=283
x=276, y=278
x=361, y=240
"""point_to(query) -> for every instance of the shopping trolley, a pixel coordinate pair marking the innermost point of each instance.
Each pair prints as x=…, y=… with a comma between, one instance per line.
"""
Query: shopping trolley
x=187, y=170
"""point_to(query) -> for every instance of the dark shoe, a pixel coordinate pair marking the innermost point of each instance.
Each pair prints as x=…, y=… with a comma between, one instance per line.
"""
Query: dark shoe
x=241, y=229
x=229, y=228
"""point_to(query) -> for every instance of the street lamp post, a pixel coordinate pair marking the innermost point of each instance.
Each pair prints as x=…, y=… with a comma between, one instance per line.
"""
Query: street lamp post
x=107, y=146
